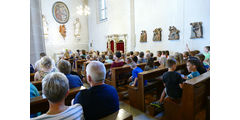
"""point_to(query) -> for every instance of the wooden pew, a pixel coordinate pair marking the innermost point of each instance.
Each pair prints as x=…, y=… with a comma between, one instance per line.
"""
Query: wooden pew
x=40, y=104
x=37, y=84
x=32, y=76
x=194, y=102
x=117, y=71
x=137, y=94
x=119, y=115
x=79, y=64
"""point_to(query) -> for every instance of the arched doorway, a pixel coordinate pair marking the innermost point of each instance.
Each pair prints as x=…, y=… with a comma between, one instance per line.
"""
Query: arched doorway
x=117, y=42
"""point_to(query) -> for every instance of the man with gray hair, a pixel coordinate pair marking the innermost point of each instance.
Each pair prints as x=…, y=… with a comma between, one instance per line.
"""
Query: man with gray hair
x=100, y=100
x=55, y=88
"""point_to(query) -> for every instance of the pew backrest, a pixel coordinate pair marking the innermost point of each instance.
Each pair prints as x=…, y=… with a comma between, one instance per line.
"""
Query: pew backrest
x=40, y=104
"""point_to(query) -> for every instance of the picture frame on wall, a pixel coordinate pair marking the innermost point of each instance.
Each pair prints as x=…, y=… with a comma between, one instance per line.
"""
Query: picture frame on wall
x=60, y=12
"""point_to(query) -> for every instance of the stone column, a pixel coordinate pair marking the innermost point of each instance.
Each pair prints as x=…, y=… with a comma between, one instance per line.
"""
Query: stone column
x=37, y=44
x=132, y=26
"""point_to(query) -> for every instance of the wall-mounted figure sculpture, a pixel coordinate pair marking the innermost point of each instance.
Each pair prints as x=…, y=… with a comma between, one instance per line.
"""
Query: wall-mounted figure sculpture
x=174, y=33
x=45, y=26
x=157, y=34
x=77, y=27
x=62, y=30
x=143, y=37
x=196, y=30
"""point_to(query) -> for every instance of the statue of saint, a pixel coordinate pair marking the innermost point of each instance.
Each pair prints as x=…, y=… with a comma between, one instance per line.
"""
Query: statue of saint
x=77, y=27
x=45, y=25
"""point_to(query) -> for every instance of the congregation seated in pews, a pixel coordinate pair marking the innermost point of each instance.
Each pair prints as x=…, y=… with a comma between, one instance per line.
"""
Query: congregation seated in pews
x=148, y=83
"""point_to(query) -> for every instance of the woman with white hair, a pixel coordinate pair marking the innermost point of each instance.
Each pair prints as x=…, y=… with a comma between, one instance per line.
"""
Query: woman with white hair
x=100, y=100
x=46, y=66
x=55, y=88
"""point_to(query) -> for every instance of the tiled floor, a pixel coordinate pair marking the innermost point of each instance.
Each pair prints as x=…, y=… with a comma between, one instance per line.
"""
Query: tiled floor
x=137, y=114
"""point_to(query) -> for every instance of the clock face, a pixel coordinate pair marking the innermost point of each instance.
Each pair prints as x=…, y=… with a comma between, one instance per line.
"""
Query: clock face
x=60, y=12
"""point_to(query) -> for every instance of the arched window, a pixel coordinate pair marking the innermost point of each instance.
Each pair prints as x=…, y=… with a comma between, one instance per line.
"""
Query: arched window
x=102, y=10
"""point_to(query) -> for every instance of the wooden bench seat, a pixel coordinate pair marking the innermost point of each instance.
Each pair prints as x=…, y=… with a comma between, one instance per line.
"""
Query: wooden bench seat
x=194, y=103
x=137, y=94
x=40, y=104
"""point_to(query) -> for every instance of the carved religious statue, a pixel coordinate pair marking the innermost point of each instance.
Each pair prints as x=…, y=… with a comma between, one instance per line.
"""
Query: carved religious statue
x=196, y=30
x=77, y=27
x=45, y=26
x=157, y=34
x=174, y=33
x=62, y=30
x=143, y=37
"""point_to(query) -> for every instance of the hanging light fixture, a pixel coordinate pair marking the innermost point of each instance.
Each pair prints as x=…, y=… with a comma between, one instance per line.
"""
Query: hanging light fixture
x=83, y=9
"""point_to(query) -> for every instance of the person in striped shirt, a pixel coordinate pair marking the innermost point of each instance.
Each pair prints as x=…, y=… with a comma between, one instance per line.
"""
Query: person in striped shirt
x=56, y=87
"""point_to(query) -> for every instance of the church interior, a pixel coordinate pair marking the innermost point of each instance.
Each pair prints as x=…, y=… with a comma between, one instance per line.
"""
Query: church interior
x=155, y=54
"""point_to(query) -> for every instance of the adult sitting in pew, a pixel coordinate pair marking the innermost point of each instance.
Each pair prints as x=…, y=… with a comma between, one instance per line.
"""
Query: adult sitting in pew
x=46, y=67
x=37, y=64
x=56, y=88
x=34, y=93
x=65, y=67
x=100, y=99
x=172, y=81
x=117, y=63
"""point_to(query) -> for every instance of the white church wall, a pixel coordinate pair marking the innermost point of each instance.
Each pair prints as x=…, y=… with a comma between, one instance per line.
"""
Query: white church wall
x=55, y=43
x=148, y=16
x=165, y=13
x=118, y=22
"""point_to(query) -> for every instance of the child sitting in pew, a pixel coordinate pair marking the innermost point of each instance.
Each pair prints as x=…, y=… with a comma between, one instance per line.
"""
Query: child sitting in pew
x=207, y=55
x=172, y=81
x=149, y=65
x=192, y=67
x=135, y=71
x=201, y=57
